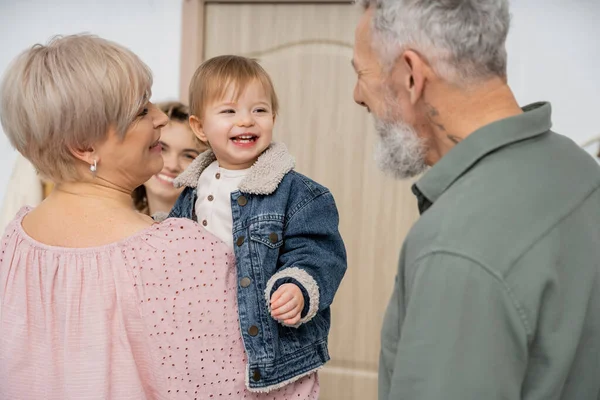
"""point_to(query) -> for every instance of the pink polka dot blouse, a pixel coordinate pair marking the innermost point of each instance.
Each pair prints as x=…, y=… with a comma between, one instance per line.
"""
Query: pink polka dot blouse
x=153, y=316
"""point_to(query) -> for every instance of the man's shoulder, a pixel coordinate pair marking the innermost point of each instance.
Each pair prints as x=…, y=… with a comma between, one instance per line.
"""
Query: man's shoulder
x=504, y=205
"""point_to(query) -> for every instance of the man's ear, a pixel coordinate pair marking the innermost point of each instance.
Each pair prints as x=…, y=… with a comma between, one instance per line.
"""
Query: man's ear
x=417, y=73
x=197, y=128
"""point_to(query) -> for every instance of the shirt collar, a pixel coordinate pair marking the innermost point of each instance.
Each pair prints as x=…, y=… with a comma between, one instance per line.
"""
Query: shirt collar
x=535, y=120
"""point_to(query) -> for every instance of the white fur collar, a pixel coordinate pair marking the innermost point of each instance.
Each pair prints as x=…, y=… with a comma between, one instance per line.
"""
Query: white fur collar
x=262, y=179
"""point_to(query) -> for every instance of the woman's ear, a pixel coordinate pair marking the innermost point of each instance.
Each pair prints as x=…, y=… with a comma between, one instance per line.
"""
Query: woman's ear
x=196, y=126
x=87, y=155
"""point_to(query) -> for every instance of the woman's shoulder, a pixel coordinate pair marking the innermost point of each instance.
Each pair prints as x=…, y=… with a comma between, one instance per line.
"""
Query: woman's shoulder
x=168, y=228
x=16, y=220
x=169, y=234
x=177, y=233
x=170, y=224
x=23, y=211
x=169, y=248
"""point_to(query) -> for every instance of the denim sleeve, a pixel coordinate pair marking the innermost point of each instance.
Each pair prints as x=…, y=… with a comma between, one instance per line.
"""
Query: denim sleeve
x=182, y=206
x=176, y=211
x=313, y=255
x=463, y=336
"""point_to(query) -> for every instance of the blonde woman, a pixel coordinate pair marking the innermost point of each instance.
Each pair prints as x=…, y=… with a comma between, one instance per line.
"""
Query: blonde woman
x=179, y=148
x=97, y=301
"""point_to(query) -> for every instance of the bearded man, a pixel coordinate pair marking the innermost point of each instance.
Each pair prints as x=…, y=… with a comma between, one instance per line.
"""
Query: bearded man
x=497, y=294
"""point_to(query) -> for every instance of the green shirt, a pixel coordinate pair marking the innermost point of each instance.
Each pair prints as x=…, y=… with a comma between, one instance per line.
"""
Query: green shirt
x=498, y=288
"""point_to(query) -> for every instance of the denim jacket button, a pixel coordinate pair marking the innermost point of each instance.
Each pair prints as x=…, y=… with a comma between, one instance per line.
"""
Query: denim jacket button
x=256, y=375
x=240, y=241
x=245, y=282
x=253, y=330
x=242, y=201
x=273, y=237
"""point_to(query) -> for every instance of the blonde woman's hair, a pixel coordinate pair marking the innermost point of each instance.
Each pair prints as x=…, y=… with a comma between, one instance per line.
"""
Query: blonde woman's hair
x=67, y=95
x=213, y=77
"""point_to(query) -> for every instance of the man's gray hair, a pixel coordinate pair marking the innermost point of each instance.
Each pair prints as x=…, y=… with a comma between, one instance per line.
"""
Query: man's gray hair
x=463, y=40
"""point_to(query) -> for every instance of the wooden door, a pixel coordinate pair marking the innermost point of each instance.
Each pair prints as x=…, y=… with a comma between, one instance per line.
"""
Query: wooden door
x=307, y=48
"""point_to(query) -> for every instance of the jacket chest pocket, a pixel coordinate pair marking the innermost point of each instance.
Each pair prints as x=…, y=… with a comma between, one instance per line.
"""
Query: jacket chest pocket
x=266, y=239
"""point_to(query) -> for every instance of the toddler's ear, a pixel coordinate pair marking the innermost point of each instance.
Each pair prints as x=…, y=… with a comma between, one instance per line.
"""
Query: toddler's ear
x=196, y=126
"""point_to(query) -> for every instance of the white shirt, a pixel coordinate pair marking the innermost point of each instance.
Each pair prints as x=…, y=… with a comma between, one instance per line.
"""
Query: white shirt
x=213, y=207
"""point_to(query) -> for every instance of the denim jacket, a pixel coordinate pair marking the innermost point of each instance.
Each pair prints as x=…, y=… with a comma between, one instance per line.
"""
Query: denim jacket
x=285, y=230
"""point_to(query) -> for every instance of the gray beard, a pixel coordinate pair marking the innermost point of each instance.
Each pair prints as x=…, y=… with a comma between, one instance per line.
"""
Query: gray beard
x=400, y=152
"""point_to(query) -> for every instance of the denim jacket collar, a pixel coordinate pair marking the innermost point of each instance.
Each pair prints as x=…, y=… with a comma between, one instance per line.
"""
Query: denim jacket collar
x=263, y=178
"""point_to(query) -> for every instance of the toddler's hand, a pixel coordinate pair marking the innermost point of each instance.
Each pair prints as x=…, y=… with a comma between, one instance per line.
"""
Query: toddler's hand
x=287, y=303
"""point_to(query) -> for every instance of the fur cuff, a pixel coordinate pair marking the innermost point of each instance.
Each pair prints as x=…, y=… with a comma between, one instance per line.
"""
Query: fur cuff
x=309, y=284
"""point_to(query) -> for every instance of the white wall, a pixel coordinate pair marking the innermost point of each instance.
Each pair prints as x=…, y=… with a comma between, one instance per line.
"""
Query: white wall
x=553, y=53
x=150, y=28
